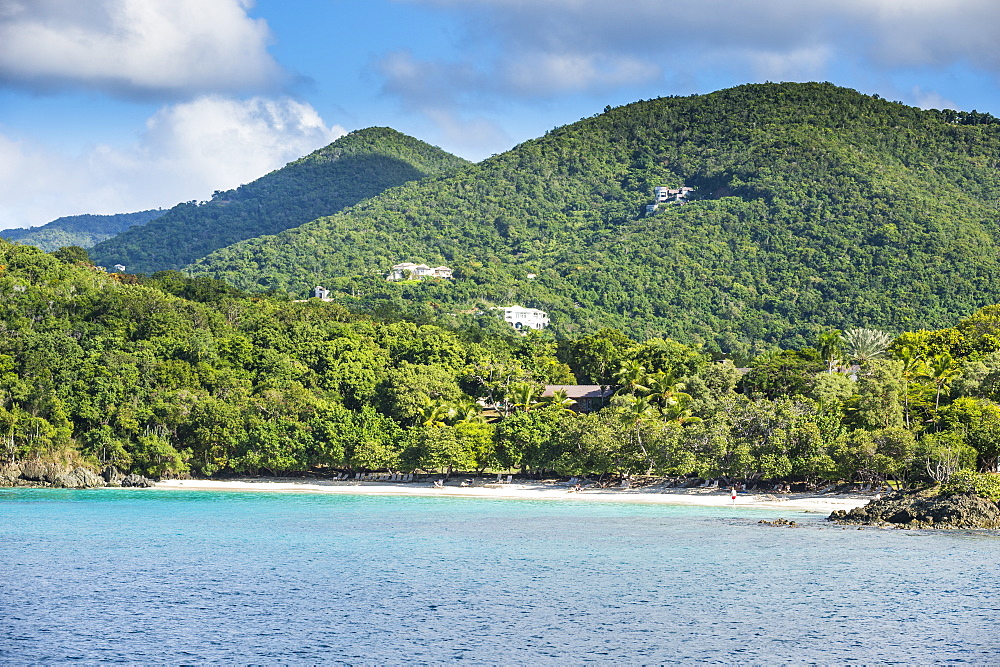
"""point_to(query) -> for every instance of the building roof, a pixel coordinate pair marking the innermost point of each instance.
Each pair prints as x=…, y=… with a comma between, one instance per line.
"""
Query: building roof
x=578, y=391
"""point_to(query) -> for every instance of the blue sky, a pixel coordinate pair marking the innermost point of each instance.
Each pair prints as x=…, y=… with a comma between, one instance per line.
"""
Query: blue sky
x=110, y=106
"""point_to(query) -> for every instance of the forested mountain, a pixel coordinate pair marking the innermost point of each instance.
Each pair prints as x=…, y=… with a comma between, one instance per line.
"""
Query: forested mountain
x=355, y=167
x=815, y=206
x=79, y=230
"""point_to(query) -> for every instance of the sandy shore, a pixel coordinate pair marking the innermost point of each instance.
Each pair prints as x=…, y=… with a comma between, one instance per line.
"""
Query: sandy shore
x=561, y=492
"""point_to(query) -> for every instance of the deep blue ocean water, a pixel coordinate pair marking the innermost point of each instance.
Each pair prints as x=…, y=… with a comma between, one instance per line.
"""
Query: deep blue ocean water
x=153, y=576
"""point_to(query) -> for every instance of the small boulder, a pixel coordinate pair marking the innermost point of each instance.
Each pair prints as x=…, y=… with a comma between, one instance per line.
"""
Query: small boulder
x=112, y=476
x=137, y=481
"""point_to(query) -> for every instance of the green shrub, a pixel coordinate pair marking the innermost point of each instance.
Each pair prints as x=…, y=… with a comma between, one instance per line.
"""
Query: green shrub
x=983, y=484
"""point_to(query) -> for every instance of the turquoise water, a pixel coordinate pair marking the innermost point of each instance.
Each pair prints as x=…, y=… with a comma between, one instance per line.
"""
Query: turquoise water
x=200, y=577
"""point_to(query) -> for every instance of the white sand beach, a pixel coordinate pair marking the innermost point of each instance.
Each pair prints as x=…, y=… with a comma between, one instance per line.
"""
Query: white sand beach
x=824, y=503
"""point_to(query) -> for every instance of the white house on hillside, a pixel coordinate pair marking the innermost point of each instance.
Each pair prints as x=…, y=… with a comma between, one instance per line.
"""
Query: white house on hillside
x=411, y=271
x=665, y=194
x=520, y=317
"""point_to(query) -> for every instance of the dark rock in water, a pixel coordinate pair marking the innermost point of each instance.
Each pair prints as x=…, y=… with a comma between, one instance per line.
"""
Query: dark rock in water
x=112, y=476
x=914, y=511
x=137, y=481
x=778, y=522
x=78, y=478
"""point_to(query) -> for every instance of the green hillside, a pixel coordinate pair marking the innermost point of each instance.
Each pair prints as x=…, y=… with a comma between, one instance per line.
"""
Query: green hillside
x=355, y=167
x=816, y=206
x=166, y=375
x=79, y=230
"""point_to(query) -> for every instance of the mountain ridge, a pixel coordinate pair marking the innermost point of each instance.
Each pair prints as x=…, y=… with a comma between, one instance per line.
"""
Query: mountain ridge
x=359, y=165
x=815, y=207
x=80, y=230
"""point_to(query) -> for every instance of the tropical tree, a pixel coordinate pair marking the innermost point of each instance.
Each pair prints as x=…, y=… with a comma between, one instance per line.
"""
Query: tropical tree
x=523, y=396
x=635, y=411
x=560, y=399
x=630, y=377
x=941, y=370
x=913, y=368
x=433, y=413
x=830, y=345
x=665, y=389
x=863, y=345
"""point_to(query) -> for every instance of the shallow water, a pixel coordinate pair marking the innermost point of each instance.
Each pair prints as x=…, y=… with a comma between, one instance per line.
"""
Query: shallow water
x=198, y=576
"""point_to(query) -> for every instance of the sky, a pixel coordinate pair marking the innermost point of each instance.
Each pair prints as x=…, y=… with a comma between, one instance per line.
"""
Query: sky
x=112, y=106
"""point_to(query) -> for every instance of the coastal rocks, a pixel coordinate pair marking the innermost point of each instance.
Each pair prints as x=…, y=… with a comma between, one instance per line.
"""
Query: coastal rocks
x=112, y=476
x=78, y=478
x=137, y=481
x=39, y=474
x=915, y=511
x=778, y=522
x=41, y=471
x=10, y=473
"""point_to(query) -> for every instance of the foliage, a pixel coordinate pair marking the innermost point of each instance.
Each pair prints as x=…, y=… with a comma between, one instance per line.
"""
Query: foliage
x=170, y=375
x=815, y=208
x=357, y=166
x=985, y=485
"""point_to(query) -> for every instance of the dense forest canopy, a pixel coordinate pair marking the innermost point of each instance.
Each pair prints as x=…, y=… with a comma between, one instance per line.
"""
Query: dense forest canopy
x=169, y=375
x=815, y=207
x=355, y=167
x=84, y=231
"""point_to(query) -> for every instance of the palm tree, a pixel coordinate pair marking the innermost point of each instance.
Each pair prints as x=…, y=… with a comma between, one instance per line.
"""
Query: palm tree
x=863, y=345
x=560, y=398
x=433, y=413
x=522, y=395
x=665, y=389
x=942, y=369
x=467, y=411
x=829, y=344
x=635, y=410
x=913, y=368
x=630, y=376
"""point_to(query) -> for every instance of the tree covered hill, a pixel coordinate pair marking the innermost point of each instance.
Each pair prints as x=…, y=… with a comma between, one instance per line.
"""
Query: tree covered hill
x=80, y=230
x=816, y=206
x=351, y=169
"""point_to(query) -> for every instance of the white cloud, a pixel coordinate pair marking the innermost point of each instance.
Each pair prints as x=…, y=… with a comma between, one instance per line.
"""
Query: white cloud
x=138, y=48
x=546, y=48
x=930, y=99
x=186, y=152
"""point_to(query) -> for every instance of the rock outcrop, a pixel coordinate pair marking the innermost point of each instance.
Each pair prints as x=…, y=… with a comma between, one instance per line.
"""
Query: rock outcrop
x=914, y=511
x=112, y=476
x=78, y=478
x=137, y=481
x=47, y=474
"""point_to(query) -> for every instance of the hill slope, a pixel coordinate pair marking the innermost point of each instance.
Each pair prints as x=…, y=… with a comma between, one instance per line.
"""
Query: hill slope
x=355, y=167
x=816, y=207
x=80, y=230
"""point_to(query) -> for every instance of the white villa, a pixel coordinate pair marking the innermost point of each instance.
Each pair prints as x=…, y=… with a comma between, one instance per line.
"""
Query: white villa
x=520, y=317
x=664, y=194
x=411, y=271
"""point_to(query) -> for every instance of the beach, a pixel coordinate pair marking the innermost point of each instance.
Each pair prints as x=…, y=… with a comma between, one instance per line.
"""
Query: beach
x=811, y=502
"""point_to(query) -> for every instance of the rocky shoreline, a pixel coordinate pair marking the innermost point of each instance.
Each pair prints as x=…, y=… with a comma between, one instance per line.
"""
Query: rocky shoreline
x=916, y=511
x=36, y=474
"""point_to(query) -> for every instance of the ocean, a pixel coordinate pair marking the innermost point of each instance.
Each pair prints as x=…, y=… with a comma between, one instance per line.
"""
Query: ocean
x=194, y=577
